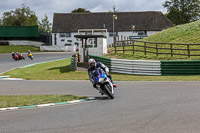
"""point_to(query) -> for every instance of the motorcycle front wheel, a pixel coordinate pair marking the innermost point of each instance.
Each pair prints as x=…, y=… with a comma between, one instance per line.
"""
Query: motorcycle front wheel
x=108, y=91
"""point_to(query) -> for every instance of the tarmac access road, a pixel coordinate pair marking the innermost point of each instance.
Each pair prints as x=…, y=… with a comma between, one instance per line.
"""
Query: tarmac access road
x=138, y=107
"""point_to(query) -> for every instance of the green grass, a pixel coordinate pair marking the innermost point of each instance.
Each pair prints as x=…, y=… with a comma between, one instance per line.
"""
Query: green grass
x=60, y=70
x=26, y=100
x=184, y=34
x=141, y=56
x=187, y=33
x=20, y=49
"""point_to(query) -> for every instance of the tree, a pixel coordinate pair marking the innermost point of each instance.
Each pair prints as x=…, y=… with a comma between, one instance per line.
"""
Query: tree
x=1, y=22
x=80, y=10
x=182, y=11
x=20, y=17
x=45, y=25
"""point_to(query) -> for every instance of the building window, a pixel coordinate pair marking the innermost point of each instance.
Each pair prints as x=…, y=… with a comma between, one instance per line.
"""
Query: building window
x=111, y=34
x=62, y=34
x=141, y=33
x=88, y=33
x=68, y=34
x=92, y=42
x=65, y=34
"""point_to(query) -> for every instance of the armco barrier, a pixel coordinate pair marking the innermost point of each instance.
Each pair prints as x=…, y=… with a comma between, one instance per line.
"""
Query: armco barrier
x=180, y=67
x=137, y=67
x=146, y=67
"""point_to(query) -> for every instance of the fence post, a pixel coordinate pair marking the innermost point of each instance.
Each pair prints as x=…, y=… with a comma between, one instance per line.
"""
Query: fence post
x=115, y=47
x=171, y=49
x=145, y=49
x=188, y=48
x=156, y=49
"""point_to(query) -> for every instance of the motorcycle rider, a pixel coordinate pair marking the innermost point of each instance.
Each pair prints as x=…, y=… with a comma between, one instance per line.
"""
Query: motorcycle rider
x=13, y=54
x=93, y=66
x=29, y=52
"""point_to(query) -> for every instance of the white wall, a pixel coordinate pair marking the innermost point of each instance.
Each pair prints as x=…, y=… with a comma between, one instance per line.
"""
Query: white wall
x=25, y=42
x=101, y=48
x=58, y=48
x=61, y=41
x=149, y=33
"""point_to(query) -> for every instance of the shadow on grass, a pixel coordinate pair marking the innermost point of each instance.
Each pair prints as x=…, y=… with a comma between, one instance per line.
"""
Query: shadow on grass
x=63, y=69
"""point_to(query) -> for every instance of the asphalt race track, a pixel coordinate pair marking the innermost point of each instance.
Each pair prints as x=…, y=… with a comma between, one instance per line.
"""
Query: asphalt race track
x=7, y=63
x=138, y=107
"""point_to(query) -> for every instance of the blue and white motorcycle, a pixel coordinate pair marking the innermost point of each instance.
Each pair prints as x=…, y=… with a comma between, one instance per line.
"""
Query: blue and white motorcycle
x=104, y=84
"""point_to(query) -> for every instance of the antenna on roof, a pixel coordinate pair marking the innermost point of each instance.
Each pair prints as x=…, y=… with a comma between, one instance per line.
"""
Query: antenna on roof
x=114, y=8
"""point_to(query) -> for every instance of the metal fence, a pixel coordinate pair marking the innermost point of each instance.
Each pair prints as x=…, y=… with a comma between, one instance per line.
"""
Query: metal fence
x=180, y=67
x=137, y=67
x=157, y=48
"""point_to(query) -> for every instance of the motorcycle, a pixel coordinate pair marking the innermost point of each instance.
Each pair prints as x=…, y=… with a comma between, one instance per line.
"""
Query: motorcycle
x=21, y=57
x=30, y=56
x=16, y=57
x=104, y=84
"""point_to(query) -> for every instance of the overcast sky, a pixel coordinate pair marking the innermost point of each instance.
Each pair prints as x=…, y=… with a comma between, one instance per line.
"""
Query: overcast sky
x=48, y=7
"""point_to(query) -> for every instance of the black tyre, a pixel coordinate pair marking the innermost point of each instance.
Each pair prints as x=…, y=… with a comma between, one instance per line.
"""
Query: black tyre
x=108, y=91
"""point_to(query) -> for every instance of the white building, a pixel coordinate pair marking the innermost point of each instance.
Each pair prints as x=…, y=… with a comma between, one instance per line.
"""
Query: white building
x=66, y=25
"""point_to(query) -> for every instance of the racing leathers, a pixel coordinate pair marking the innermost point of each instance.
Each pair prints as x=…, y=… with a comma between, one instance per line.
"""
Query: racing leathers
x=92, y=72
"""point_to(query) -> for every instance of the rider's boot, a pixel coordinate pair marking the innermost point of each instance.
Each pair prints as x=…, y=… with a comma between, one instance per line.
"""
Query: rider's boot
x=101, y=93
x=114, y=85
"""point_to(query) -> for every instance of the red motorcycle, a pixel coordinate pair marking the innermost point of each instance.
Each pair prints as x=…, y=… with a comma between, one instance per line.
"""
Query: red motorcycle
x=16, y=57
x=21, y=57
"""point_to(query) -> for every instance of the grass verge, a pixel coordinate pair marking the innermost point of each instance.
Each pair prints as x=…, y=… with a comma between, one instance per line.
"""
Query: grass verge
x=20, y=49
x=26, y=100
x=141, y=56
x=183, y=34
x=60, y=70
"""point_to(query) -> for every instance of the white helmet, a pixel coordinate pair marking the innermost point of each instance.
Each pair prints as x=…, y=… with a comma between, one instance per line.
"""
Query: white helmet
x=92, y=61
